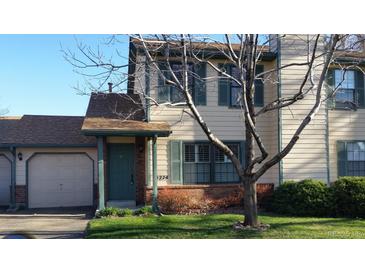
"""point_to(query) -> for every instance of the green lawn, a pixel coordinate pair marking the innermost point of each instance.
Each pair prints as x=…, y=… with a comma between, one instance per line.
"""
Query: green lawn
x=219, y=226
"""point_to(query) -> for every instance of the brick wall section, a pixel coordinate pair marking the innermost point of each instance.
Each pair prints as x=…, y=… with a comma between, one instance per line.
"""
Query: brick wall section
x=140, y=170
x=211, y=192
x=21, y=195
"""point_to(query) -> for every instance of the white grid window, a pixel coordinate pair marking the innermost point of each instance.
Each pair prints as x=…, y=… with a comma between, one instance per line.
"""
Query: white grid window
x=345, y=80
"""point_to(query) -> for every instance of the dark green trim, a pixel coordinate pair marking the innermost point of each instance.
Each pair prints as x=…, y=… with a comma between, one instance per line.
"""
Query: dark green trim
x=148, y=164
x=54, y=153
x=280, y=142
x=350, y=61
x=341, y=148
x=127, y=134
x=175, y=161
x=47, y=145
x=132, y=58
x=101, y=182
x=265, y=56
x=12, y=178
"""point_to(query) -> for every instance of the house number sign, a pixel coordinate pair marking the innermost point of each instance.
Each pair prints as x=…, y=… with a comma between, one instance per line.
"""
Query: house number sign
x=162, y=177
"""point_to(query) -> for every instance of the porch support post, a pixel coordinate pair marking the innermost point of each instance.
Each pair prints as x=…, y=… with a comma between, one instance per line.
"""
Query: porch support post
x=13, y=178
x=155, y=206
x=101, y=204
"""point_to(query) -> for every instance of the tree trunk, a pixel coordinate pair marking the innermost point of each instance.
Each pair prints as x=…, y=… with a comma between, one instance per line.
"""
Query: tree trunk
x=250, y=203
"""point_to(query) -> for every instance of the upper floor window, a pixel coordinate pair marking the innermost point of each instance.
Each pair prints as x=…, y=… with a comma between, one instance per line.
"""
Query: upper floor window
x=229, y=92
x=352, y=42
x=196, y=84
x=345, y=80
x=350, y=91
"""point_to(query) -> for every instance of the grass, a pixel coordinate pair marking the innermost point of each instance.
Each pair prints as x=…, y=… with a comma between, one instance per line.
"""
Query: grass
x=219, y=226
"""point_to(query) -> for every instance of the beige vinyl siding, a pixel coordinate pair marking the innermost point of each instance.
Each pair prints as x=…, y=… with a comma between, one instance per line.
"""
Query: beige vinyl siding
x=344, y=126
x=28, y=152
x=308, y=157
x=225, y=122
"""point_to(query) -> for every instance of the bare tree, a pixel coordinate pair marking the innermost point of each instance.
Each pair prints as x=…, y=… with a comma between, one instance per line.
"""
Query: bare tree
x=3, y=111
x=244, y=53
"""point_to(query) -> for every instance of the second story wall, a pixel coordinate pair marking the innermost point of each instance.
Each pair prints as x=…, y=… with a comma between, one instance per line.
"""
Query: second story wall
x=308, y=158
x=225, y=122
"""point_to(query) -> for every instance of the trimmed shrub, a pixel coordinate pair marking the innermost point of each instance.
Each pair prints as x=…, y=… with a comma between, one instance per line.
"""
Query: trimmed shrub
x=144, y=211
x=114, y=212
x=126, y=212
x=182, y=202
x=109, y=212
x=304, y=198
x=177, y=202
x=349, y=197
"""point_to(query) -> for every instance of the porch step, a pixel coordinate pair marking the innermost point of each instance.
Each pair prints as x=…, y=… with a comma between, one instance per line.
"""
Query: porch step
x=121, y=204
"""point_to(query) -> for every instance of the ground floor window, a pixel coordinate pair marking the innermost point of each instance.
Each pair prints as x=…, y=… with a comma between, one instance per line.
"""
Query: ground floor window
x=351, y=158
x=356, y=159
x=203, y=163
x=196, y=163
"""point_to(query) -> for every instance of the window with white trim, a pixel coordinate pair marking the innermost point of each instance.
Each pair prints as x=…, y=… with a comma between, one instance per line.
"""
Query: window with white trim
x=196, y=164
x=345, y=80
x=203, y=163
x=355, y=158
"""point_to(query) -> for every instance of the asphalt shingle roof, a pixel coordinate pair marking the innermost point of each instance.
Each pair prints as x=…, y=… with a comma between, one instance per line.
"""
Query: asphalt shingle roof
x=43, y=130
x=115, y=106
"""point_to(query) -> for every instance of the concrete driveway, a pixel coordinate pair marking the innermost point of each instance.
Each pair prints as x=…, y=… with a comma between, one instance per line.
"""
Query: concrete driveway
x=45, y=223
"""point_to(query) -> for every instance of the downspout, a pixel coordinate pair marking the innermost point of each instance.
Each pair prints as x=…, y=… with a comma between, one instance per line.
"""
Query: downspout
x=327, y=145
x=326, y=105
x=280, y=143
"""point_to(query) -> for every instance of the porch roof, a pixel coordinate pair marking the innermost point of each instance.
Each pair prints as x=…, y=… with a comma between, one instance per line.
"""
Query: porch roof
x=99, y=126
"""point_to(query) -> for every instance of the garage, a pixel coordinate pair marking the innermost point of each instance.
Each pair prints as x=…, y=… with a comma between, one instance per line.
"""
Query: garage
x=60, y=180
x=5, y=180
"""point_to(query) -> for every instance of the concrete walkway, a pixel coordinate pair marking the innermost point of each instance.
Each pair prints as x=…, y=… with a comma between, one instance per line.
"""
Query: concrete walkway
x=45, y=224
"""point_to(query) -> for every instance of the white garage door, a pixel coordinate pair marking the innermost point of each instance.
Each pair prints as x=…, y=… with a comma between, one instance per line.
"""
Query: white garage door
x=5, y=180
x=60, y=180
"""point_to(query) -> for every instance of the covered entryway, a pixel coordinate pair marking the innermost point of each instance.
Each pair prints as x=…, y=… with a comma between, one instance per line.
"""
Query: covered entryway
x=5, y=180
x=60, y=180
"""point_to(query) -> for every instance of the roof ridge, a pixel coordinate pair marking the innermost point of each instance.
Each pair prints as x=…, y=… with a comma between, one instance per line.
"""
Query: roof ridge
x=42, y=115
x=10, y=117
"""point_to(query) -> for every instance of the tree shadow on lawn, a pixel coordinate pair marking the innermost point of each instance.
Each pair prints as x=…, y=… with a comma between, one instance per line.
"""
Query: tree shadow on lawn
x=310, y=221
x=168, y=227
x=221, y=226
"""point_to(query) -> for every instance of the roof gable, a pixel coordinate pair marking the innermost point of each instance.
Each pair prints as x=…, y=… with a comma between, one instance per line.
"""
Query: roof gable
x=115, y=106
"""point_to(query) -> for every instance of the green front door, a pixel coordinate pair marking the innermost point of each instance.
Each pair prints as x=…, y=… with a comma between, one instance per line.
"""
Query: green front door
x=121, y=172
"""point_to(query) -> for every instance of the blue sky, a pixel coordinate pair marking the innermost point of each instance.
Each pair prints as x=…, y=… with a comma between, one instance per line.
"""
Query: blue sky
x=36, y=79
